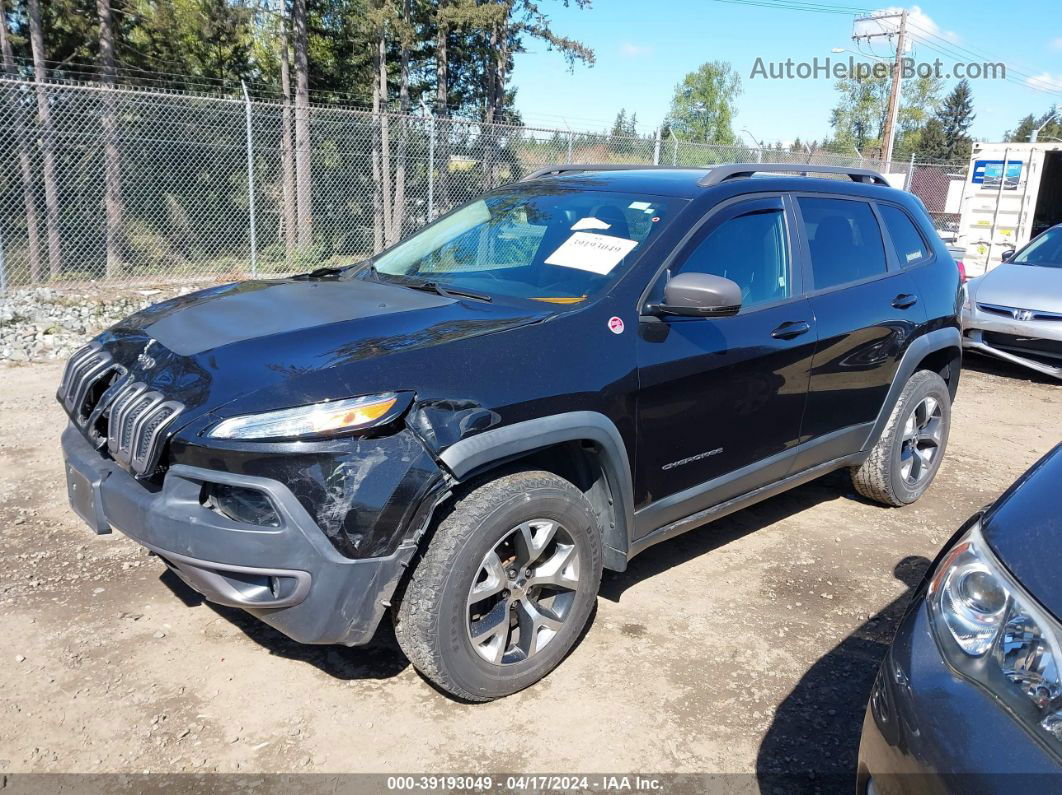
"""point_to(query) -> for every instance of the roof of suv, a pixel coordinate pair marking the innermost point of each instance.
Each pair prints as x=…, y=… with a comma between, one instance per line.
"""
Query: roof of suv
x=690, y=182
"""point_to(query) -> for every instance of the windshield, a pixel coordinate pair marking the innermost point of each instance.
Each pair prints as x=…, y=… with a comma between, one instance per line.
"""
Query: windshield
x=1045, y=251
x=541, y=243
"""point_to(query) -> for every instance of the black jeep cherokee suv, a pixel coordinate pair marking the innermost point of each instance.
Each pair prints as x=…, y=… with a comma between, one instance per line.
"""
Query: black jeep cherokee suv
x=465, y=429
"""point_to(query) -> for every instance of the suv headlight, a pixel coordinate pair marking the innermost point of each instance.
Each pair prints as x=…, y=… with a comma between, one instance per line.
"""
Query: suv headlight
x=993, y=633
x=319, y=419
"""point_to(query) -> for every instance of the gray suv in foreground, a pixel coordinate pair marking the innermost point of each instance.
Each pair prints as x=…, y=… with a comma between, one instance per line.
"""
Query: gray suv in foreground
x=969, y=697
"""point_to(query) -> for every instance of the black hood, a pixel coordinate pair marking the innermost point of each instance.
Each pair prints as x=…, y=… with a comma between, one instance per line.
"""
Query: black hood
x=1024, y=529
x=273, y=339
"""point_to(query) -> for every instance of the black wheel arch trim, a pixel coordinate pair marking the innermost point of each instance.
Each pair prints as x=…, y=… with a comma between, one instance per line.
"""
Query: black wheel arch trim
x=475, y=454
x=919, y=348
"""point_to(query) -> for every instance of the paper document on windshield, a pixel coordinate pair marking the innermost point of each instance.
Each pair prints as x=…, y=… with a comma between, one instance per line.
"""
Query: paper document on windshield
x=589, y=252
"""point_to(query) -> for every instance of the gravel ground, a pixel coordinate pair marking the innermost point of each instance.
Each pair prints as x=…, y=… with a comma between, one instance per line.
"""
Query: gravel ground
x=746, y=647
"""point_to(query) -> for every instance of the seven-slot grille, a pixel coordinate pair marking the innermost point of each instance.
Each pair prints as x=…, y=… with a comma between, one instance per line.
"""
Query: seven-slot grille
x=101, y=399
x=89, y=367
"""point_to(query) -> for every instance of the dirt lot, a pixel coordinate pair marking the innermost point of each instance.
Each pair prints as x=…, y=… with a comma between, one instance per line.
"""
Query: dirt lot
x=745, y=647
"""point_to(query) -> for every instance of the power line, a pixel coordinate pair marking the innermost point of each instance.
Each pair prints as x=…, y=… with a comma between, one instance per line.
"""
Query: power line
x=941, y=46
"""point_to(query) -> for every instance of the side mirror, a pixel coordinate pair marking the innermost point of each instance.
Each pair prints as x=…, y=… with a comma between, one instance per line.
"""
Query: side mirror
x=1008, y=254
x=700, y=295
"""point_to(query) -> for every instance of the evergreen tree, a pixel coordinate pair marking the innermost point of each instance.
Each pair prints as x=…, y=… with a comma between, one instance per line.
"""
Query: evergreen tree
x=1049, y=124
x=931, y=144
x=956, y=115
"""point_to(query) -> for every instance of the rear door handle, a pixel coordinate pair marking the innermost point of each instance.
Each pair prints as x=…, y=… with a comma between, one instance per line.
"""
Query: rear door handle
x=904, y=300
x=790, y=329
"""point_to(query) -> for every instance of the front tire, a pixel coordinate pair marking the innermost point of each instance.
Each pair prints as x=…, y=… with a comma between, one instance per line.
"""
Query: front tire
x=903, y=463
x=504, y=588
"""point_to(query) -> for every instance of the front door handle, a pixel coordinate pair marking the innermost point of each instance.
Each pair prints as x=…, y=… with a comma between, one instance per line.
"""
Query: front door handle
x=790, y=329
x=905, y=300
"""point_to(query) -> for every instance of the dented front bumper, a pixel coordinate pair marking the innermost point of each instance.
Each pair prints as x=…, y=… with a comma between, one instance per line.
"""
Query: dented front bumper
x=292, y=576
x=1036, y=344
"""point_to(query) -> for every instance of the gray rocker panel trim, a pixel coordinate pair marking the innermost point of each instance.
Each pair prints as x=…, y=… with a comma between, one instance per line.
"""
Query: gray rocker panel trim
x=466, y=457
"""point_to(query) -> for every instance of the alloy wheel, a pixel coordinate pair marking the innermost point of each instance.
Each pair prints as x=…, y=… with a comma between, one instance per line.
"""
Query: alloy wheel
x=522, y=592
x=921, y=440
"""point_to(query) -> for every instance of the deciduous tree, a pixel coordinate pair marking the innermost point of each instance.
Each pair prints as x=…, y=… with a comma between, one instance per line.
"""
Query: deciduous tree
x=705, y=103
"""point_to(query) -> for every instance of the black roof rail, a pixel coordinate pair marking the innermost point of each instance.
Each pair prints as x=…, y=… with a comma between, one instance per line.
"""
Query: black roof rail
x=721, y=173
x=716, y=174
x=574, y=168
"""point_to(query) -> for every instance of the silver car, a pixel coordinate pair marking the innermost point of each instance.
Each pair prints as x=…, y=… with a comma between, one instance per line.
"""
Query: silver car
x=1014, y=311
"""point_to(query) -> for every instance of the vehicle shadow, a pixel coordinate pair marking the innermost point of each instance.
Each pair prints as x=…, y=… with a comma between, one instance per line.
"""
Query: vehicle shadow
x=675, y=551
x=379, y=659
x=812, y=744
x=989, y=365
x=382, y=658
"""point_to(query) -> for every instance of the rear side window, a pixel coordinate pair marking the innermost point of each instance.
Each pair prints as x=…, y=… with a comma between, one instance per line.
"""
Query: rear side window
x=751, y=250
x=845, y=241
x=911, y=249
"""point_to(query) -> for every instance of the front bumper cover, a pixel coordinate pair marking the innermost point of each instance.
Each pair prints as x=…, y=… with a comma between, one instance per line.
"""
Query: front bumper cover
x=976, y=322
x=291, y=577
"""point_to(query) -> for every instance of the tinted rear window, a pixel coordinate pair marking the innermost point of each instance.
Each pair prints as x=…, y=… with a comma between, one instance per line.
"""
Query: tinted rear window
x=845, y=241
x=910, y=248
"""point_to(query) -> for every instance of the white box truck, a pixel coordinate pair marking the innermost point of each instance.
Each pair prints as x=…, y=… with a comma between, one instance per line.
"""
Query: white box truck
x=1012, y=193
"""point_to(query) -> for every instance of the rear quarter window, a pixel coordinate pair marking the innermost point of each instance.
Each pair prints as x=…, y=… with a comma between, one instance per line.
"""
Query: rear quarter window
x=910, y=246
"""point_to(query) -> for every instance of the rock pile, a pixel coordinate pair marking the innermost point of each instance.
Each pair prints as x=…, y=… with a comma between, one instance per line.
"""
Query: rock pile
x=44, y=323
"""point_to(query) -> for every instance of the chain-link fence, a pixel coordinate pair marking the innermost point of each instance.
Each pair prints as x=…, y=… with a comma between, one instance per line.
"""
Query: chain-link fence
x=121, y=186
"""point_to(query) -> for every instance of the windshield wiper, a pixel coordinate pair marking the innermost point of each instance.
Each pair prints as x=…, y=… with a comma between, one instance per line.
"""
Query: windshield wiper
x=447, y=291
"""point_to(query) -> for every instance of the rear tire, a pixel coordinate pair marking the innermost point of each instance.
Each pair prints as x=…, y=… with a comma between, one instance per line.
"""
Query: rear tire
x=505, y=587
x=903, y=463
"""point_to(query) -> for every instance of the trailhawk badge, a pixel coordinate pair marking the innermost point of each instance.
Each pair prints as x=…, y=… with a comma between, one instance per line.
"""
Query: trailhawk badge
x=615, y=325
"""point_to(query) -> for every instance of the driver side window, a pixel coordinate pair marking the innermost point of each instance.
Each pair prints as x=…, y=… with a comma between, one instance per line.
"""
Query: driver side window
x=750, y=249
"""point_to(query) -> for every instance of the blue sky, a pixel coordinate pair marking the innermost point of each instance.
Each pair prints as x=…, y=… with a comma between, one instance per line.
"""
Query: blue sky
x=644, y=48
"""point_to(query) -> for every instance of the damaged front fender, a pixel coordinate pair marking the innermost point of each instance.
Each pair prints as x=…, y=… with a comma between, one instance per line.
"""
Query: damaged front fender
x=367, y=494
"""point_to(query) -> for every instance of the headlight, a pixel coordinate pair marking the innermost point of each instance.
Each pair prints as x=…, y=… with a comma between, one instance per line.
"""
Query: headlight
x=320, y=419
x=993, y=633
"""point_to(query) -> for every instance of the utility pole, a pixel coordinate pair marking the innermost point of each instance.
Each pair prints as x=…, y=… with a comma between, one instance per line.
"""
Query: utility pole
x=897, y=76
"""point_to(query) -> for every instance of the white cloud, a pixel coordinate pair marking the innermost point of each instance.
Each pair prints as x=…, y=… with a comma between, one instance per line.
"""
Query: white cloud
x=631, y=50
x=1056, y=43
x=924, y=26
x=1045, y=81
x=919, y=24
